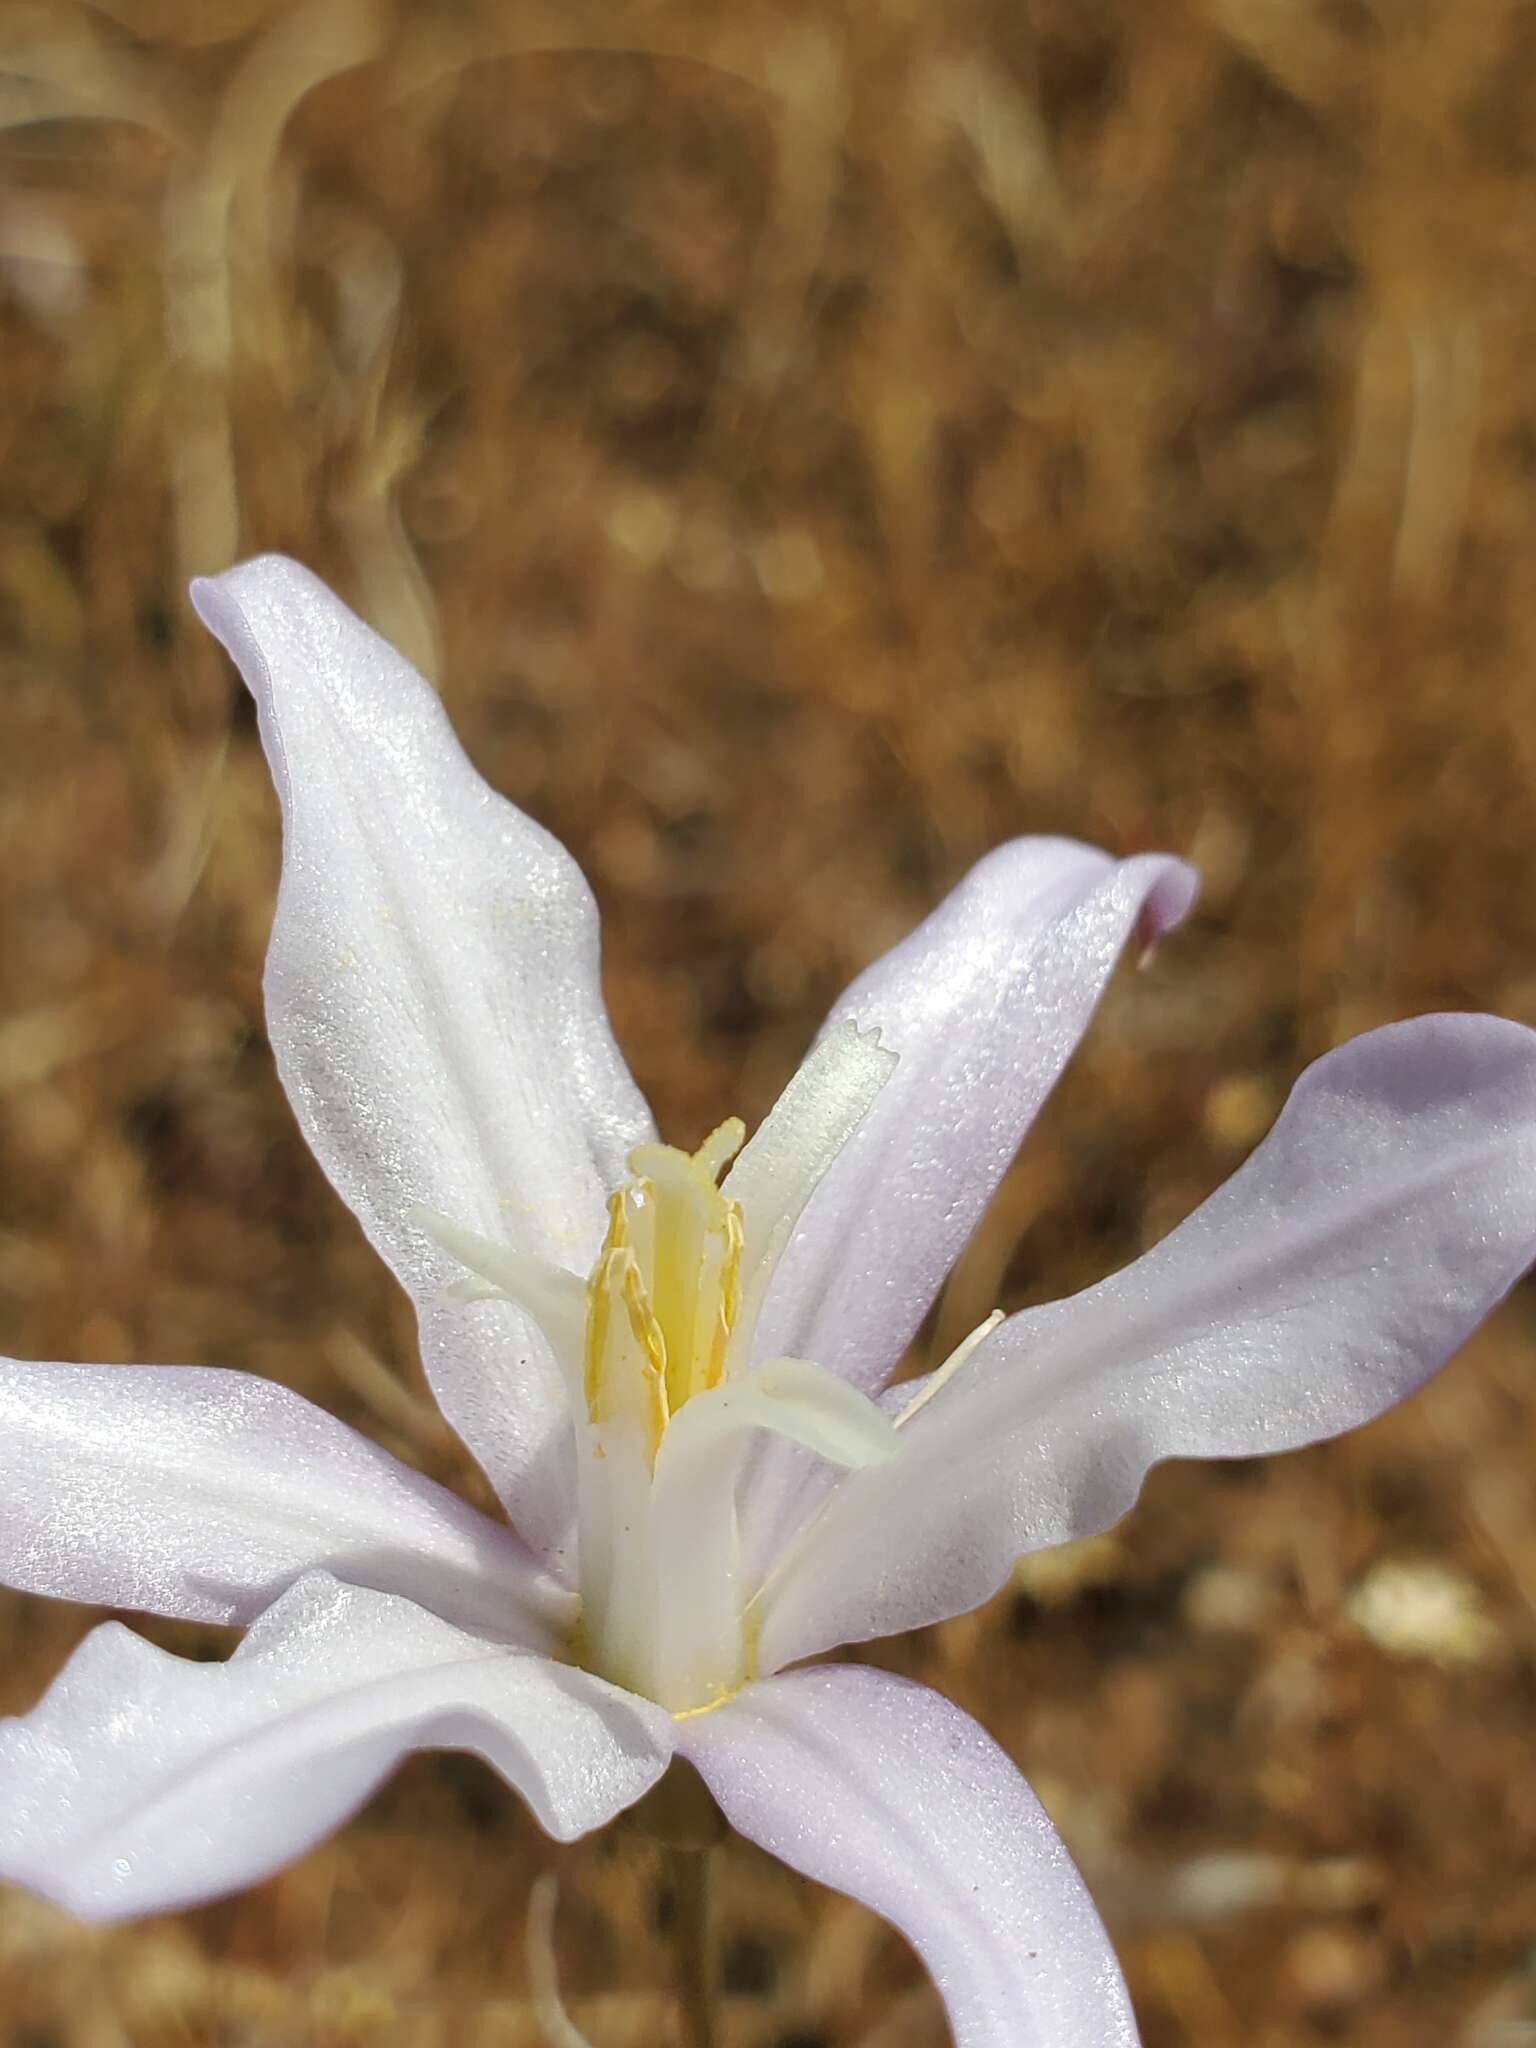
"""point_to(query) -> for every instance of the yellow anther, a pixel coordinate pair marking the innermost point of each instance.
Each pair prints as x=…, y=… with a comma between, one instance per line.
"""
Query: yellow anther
x=680, y=1243
x=626, y=1357
x=729, y=1284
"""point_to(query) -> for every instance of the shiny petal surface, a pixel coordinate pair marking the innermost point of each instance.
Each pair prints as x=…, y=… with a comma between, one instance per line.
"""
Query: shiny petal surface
x=203, y=1494
x=884, y=1790
x=433, y=1000
x=982, y=1005
x=1389, y=1209
x=143, y=1781
x=792, y=1150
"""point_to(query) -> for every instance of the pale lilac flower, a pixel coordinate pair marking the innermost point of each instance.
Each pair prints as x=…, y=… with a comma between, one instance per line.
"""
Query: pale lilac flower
x=675, y=1386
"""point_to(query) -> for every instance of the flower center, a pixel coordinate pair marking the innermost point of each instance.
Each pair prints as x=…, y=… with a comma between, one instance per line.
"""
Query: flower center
x=663, y=1296
x=664, y=1392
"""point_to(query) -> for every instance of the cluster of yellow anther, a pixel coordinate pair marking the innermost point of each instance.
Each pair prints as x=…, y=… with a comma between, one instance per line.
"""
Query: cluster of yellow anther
x=664, y=1292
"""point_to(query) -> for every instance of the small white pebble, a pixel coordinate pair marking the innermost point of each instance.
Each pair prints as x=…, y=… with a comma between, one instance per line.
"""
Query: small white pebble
x=1418, y=1609
x=1217, y=1886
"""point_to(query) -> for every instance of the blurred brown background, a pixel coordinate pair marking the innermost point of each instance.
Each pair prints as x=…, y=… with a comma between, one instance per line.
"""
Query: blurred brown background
x=809, y=444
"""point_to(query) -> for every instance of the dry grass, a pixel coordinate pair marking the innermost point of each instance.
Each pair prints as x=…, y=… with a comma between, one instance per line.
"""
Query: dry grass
x=810, y=444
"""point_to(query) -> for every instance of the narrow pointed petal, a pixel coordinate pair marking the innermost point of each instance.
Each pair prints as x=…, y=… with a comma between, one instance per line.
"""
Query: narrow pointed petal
x=202, y=1494
x=1390, y=1208
x=983, y=1006
x=143, y=1782
x=885, y=1791
x=432, y=997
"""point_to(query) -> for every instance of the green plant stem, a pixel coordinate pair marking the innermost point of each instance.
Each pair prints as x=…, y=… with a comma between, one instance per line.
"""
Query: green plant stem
x=693, y=1941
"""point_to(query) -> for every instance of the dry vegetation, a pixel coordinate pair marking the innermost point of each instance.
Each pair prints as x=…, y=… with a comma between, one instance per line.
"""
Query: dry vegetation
x=809, y=444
